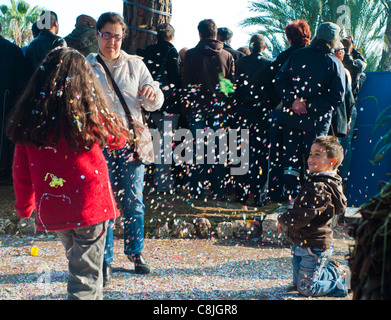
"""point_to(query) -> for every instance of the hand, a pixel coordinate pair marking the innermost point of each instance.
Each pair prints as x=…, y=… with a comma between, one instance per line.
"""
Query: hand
x=279, y=228
x=299, y=106
x=148, y=92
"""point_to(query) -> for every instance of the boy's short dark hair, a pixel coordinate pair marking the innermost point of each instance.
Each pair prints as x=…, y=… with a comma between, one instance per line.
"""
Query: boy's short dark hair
x=257, y=42
x=225, y=34
x=207, y=29
x=165, y=31
x=333, y=147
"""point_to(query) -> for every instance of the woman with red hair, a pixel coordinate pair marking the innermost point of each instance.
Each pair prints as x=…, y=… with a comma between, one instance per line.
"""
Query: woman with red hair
x=298, y=34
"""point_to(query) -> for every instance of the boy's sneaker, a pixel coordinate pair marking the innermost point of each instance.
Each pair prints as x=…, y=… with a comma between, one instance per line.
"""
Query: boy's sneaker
x=140, y=264
x=344, y=271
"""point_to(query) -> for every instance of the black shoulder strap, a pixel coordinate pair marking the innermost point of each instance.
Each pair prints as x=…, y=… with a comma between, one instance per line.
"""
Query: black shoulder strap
x=116, y=89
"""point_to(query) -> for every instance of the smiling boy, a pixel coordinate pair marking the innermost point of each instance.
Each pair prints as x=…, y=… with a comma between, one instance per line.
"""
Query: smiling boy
x=309, y=223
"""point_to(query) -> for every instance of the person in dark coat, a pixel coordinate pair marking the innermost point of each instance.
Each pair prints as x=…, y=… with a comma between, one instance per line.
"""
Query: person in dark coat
x=12, y=83
x=355, y=63
x=298, y=34
x=205, y=104
x=342, y=116
x=162, y=62
x=252, y=112
x=311, y=84
x=225, y=36
x=45, y=42
x=83, y=38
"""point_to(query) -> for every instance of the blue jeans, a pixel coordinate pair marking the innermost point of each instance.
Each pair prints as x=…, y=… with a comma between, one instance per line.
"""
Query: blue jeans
x=127, y=178
x=314, y=276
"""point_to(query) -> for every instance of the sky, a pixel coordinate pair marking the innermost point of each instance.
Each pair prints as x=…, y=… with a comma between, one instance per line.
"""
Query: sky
x=185, y=16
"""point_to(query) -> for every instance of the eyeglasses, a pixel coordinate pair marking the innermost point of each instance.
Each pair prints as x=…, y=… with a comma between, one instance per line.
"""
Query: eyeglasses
x=109, y=36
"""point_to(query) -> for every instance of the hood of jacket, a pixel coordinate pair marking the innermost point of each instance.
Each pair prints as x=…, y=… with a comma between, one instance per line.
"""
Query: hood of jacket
x=210, y=47
x=81, y=38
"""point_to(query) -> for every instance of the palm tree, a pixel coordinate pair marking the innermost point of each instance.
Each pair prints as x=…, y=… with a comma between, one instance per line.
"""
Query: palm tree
x=385, y=64
x=17, y=21
x=365, y=25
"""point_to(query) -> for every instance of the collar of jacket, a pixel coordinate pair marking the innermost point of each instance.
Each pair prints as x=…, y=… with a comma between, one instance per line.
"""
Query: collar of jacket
x=210, y=46
x=47, y=33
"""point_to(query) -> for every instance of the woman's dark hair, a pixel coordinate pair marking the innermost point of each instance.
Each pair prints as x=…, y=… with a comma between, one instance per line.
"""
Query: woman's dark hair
x=298, y=32
x=63, y=97
x=113, y=18
x=165, y=31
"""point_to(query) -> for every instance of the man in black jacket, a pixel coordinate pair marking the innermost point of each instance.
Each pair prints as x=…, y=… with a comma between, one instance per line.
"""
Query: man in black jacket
x=45, y=42
x=12, y=83
x=254, y=103
x=206, y=105
x=311, y=84
x=355, y=63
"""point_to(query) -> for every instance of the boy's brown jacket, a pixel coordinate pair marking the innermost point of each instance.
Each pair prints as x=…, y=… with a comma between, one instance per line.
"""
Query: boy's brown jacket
x=309, y=222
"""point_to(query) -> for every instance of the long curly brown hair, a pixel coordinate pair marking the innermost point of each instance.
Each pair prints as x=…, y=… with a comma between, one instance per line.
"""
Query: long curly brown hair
x=63, y=97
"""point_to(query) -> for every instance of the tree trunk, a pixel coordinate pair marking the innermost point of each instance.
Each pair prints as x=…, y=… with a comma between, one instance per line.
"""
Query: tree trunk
x=142, y=18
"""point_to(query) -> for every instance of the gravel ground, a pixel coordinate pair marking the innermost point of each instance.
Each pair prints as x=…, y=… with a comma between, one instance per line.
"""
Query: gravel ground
x=181, y=270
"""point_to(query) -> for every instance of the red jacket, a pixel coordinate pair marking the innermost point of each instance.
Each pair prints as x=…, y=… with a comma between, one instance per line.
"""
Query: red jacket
x=67, y=189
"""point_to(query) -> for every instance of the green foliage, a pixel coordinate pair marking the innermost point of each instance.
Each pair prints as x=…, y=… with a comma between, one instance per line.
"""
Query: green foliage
x=17, y=20
x=383, y=145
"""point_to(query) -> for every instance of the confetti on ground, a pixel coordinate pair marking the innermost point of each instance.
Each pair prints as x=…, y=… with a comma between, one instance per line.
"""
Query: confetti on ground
x=181, y=270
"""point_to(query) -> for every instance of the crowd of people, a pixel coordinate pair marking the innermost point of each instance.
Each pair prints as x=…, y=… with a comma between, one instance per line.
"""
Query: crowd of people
x=79, y=93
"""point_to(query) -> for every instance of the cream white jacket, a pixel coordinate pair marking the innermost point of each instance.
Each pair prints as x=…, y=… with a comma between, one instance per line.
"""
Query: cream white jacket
x=131, y=75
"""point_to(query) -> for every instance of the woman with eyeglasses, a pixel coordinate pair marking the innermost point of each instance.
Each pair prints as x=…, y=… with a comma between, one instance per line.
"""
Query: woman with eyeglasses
x=139, y=90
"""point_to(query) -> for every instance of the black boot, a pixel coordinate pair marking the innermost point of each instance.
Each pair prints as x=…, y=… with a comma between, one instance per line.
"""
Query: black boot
x=106, y=275
x=140, y=264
